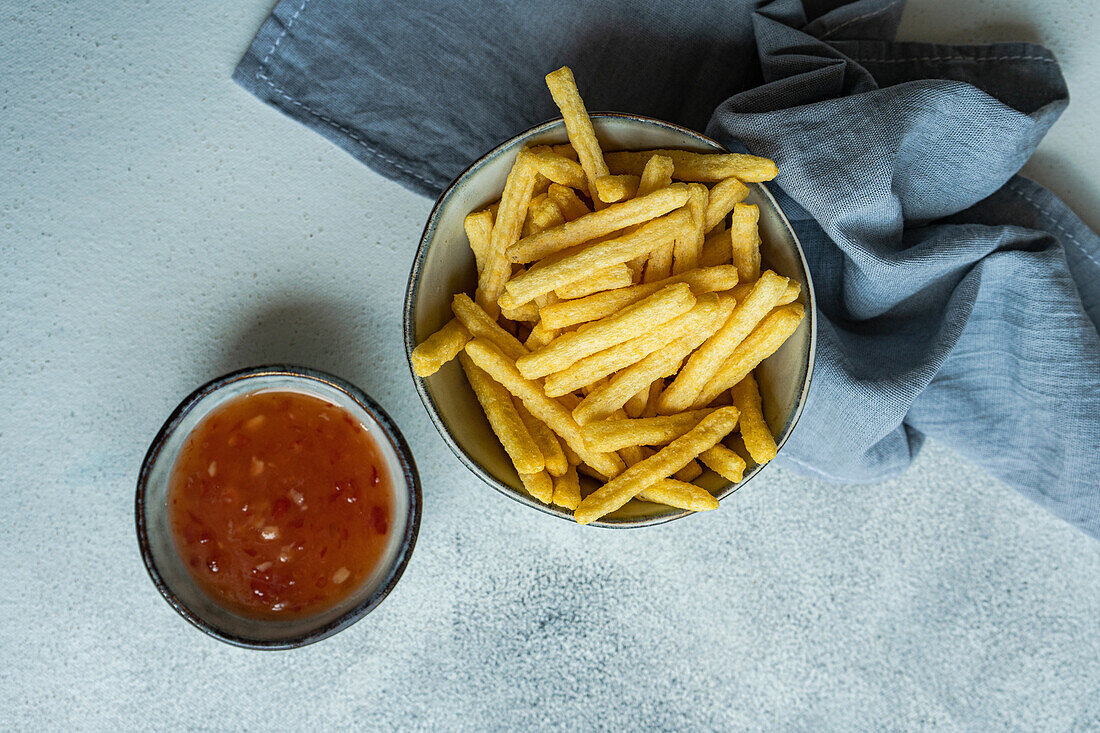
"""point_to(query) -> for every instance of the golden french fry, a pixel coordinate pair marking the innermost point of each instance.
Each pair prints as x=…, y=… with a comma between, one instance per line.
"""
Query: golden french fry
x=662, y=464
x=567, y=489
x=502, y=369
x=689, y=473
x=658, y=308
x=655, y=390
x=540, y=336
x=568, y=202
x=599, y=223
x=764, y=341
x=679, y=494
x=439, y=348
x=657, y=174
x=504, y=419
x=717, y=249
x=689, y=245
x=590, y=369
x=576, y=265
x=705, y=363
x=480, y=325
x=758, y=437
x=479, y=231
x=616, y=434
x=529, y=311
x=545, y=214
x=611, y=278
x=659, y=264
x=600, y=305
x=565, y=150
x=635, y=406
x=518, y=190
x=538, y=485
x=610, y=397
x=611, y=189
x=745, y=241
x=559, y=169
x=724, y=461
x=790, y=295
x=548, y=444
x=723, y=196
x=702, y=167
x=563, y=88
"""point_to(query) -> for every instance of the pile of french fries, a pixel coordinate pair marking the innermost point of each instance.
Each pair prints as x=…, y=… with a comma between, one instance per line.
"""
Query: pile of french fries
x=619, y=315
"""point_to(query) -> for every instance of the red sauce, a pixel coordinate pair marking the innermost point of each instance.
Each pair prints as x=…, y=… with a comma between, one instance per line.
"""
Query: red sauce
x=280, y=505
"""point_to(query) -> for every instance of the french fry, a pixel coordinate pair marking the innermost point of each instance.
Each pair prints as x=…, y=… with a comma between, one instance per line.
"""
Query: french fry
x=717, y=249
x=724, y=461
x=479, y=232
x=552, y=454
x=723, y=196
x=702, y=167
x=563, y=88
x=439, y=348
x=599, y=223
x=529, y=311
x=745, y=241
x=590, y=369
x=679, y=494
x=790, y=295
x=656, y=175
x=508, y=224
x=611, y=189
x=758, y=437
x=479, y=325
x=705, y=363
x=576, y=265
x=567, y=201
x=538, y=485
x=600, y=305
x=545, y=214
x=606, y=399
x=567, y=489
x=764, y=341
x=658, y=265
x=655, y=390
x=688, y=245
x=559, y=169
x=662, y=464
x=540, y=336
x=504, y=419
x=502, y=369
x=565, y=150
x=689, y=473
x=658, y=308
x=635, y=406
x=611, y=278
x=616, y=434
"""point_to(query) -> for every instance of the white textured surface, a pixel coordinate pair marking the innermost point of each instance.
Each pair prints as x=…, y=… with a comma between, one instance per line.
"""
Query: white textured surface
x=158, y=227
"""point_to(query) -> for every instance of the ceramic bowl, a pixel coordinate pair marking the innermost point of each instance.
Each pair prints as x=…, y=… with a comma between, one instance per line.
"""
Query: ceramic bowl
x=164, y=564
x=444, y=265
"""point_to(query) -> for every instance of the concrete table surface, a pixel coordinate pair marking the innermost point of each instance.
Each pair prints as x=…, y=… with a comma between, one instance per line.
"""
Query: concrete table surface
x=158, y=227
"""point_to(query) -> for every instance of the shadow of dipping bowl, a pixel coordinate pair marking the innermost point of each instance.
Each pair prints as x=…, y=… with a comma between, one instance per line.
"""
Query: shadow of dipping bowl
x=167, y=569
x=444, y=265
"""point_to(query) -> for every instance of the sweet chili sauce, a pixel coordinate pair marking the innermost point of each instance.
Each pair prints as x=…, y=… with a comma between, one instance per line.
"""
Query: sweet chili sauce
x=280, y=505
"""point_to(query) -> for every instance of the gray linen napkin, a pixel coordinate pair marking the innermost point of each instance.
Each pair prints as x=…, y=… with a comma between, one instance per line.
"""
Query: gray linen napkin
x=957, y=300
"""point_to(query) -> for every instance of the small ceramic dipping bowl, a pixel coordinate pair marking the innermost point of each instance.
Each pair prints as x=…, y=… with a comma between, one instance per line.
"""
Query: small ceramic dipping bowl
x=167, y=569
x=444, y=265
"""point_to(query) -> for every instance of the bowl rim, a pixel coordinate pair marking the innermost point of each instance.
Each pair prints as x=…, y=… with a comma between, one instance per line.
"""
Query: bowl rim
x=404, y=458
x=413, y=288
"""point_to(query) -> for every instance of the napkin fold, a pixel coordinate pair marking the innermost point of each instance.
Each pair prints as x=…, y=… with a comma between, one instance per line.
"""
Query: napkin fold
x=958, y=300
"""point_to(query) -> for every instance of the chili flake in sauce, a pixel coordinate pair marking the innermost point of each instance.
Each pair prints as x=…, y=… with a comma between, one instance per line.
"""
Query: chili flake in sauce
x=280, y=505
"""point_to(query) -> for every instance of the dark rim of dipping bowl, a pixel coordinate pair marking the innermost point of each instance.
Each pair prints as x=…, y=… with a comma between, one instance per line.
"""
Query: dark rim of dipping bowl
x=391, y=433
x=433, y=412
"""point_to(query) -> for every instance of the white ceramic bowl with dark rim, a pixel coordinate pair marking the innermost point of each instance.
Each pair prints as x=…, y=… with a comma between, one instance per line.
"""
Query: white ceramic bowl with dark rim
x=444, y=265
x=167, y=569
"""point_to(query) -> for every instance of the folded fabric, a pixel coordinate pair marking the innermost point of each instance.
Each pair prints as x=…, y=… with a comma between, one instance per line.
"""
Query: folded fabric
x=957, y=300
